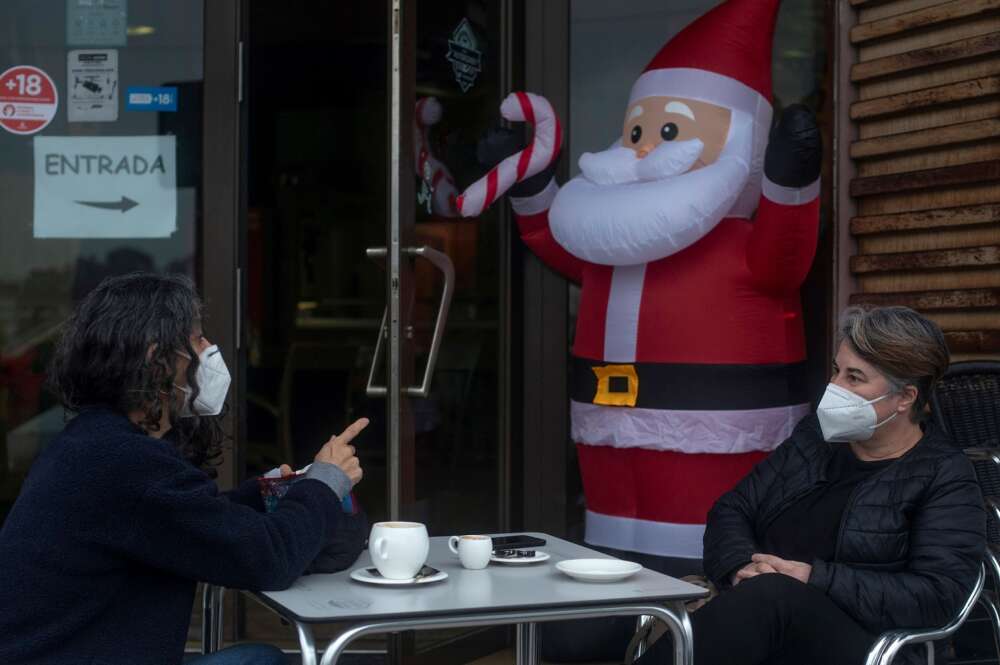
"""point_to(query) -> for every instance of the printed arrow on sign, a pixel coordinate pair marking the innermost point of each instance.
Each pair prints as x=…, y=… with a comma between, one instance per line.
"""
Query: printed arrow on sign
x=124, y=205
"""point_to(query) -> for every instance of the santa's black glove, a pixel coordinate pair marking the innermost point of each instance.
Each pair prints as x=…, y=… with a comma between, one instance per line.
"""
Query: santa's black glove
x=500, y=143
x=795, y=150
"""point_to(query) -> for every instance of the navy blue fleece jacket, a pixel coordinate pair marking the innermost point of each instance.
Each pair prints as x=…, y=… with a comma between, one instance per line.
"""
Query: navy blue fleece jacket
x=101, y=553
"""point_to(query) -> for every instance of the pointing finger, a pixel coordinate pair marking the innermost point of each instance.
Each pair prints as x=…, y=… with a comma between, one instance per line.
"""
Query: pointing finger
x=353, y=430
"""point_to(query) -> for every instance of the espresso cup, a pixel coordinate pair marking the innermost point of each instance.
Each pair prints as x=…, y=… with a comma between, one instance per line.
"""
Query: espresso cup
x=399, y=549
x=473, y=551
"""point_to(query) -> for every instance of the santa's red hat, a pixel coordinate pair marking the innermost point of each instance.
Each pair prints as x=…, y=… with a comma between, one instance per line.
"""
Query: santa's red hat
x=723, y=58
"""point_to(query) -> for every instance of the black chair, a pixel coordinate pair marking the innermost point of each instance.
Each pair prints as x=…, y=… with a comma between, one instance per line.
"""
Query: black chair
x=966, y=403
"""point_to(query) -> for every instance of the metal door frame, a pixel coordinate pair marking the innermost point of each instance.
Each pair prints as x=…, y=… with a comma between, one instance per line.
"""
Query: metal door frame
x=222, y=244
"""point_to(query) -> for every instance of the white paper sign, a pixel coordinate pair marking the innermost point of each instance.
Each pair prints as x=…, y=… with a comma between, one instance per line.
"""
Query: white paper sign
x=105, y=186
x=96, y=22
x=92, y=86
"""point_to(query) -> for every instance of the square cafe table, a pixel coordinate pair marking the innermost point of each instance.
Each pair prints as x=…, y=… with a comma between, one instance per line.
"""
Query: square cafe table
x=501, y=594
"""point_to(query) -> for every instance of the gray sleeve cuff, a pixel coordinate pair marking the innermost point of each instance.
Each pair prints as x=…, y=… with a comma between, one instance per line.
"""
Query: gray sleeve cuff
x=332, y=476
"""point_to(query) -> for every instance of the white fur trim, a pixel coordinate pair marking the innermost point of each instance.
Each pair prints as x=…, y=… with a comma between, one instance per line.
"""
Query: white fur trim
x=540, y=202
x=790, y=196
x=695, y=84
x=660, y=538
x=713, y=432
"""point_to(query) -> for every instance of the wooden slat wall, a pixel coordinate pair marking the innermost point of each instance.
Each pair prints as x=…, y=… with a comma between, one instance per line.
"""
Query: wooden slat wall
x=927, y=164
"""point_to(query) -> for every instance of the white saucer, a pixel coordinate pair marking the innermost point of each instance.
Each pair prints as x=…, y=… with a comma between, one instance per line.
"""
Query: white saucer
x=371, y=576
x=538, y=558
x=598, y=570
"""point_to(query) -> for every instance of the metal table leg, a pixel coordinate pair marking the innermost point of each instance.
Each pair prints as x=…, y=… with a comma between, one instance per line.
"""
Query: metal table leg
x=206, y=619
x=526, y=644
x=211, y=618
x=672, y=614
x=640, y=643
x=307, y=643
x=680, y=627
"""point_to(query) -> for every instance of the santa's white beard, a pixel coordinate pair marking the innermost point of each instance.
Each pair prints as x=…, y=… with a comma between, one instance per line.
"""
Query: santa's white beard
x=619, y=165
x=635, y=218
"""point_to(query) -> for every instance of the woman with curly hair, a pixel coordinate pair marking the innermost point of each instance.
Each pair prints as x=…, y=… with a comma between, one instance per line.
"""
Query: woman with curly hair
x=117, y=522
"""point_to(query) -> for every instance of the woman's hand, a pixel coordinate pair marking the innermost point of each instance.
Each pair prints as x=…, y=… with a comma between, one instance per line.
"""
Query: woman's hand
x=797, y=569
x=752, y=569
x=338, y=450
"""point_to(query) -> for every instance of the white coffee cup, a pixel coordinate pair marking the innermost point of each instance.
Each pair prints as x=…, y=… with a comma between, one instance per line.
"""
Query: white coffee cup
x=399, y=549
x=473, y=551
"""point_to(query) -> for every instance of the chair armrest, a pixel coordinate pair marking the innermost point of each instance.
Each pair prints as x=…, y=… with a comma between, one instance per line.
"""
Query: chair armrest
x=875, y=652
x=993, y=507
x=983, y=454
x=993, y=563
x=889, y=643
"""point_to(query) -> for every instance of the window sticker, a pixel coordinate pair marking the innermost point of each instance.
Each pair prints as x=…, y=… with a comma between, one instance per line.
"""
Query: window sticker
x=28, y=100
x=92, y=86
x=465, y=55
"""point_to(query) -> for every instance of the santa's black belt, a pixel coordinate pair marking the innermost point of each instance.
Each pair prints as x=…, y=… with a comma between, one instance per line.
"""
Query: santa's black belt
x=687, y=386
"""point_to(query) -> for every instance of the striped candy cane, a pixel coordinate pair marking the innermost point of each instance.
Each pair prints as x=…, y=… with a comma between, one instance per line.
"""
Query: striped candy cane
x=430, y=169
x=540, y=153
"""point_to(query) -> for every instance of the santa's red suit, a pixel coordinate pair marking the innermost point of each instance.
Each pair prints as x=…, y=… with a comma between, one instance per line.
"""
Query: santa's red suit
x=717, y=329
x=687, y=369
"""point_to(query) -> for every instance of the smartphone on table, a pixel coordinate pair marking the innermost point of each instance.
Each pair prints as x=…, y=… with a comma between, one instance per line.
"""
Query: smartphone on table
x=516, y=542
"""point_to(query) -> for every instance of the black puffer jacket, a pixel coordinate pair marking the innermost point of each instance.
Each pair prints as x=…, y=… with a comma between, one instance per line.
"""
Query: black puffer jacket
x=911, y=540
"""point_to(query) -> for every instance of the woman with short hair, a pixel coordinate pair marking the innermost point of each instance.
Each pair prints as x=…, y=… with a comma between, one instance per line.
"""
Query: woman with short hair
x=116, y=522
x=866, y=519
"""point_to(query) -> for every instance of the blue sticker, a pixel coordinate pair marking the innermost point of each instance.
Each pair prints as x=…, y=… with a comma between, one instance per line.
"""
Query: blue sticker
x=144, y=98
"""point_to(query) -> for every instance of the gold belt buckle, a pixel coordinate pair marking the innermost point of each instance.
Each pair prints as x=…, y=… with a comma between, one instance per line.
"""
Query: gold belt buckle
x=617, y=385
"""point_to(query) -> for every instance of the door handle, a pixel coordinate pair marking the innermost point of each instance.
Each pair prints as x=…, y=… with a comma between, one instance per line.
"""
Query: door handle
x=441, y=261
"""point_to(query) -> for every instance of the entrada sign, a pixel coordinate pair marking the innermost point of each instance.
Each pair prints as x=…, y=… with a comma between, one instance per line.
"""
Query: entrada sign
x=105, y=187
x=61, y=164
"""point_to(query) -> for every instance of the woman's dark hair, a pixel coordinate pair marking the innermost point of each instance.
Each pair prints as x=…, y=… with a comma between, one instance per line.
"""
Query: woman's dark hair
x=119, y=350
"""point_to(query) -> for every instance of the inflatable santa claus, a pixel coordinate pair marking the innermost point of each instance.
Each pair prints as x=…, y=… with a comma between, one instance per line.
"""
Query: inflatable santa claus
x=690, y=237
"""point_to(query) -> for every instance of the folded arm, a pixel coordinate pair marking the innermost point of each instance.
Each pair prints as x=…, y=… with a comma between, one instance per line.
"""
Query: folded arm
x=730, y=533
x=946, y=548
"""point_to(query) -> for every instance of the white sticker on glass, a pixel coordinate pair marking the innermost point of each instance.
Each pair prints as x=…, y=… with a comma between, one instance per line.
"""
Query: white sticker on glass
x=105, y=186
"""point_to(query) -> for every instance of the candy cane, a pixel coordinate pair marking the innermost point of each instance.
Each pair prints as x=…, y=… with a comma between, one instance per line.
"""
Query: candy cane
x=540, y=153
x=429, y=168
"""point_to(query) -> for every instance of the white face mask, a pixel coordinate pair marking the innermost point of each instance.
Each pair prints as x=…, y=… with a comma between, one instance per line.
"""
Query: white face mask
x=213, y=380
x=845, y=416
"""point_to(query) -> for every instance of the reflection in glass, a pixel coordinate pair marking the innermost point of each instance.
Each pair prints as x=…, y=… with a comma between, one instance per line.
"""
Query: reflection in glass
x=41, y=279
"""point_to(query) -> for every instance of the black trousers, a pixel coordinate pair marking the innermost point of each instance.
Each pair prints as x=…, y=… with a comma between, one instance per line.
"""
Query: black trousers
x=605, y=639
x=774, y=620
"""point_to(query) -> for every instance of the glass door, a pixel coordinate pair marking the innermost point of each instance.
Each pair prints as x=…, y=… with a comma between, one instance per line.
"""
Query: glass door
x=448, y=75
x=367, y=295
